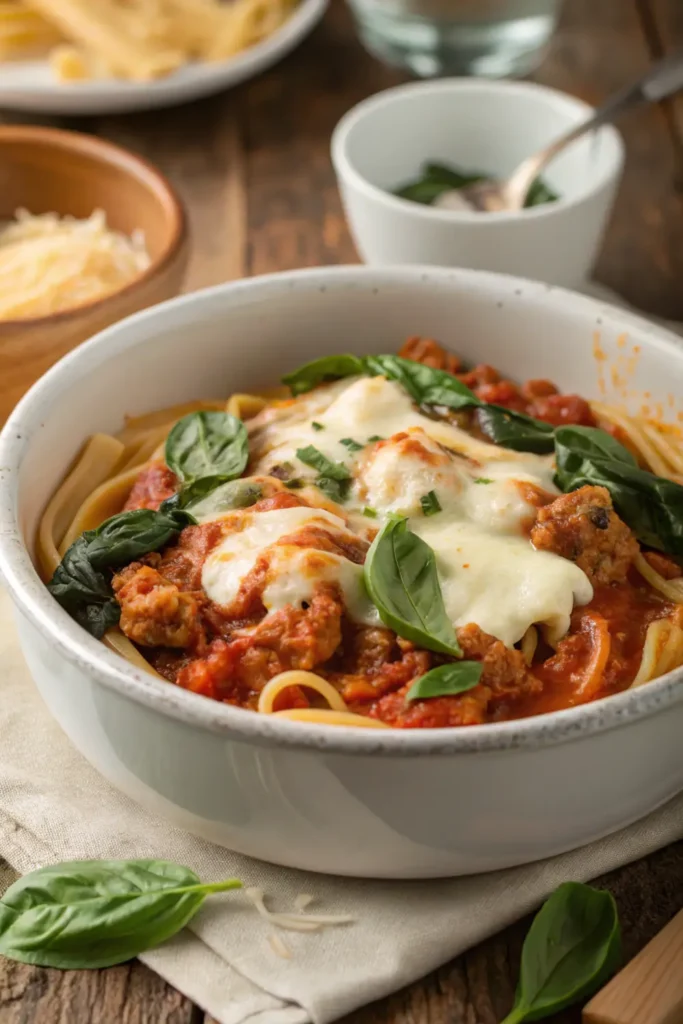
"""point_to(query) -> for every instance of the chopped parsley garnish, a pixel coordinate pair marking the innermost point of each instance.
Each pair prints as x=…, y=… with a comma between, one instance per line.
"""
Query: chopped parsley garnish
x=334, y=479
x=352, y=445
x=483, y=480
x=371, y=513
x=317, y=426
x=430, y=503
x=375, y=437
x=295, y=484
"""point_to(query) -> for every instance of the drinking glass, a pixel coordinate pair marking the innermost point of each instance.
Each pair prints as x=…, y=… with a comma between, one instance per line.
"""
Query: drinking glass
x=495, y=38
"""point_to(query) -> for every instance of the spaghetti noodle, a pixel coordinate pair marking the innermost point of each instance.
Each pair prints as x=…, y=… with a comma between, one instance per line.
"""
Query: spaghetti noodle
x=296, y=637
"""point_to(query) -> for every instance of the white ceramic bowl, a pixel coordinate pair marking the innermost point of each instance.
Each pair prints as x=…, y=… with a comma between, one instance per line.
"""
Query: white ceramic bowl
x=352, y=801
x=475, y=124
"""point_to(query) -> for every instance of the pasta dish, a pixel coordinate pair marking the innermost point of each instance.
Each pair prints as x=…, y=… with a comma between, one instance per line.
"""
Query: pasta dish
x=386, y=541
x=137, y=40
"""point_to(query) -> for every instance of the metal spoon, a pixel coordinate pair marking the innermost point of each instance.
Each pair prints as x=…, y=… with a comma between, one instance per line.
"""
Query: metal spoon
x=663, y=79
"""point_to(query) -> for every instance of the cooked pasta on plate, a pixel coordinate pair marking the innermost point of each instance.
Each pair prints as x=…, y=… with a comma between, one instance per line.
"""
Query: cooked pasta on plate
x=385, y=541
x=107, y=56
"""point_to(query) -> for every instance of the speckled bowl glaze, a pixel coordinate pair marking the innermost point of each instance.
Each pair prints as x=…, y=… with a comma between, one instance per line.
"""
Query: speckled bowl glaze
x=350, y=801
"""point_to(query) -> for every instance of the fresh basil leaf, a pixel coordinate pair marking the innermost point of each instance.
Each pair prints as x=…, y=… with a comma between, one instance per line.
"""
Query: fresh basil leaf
x=650, y=505
x=207, y=444
x=227, y=496
x=129, y=535
x=424, y=384
x=311, y=456
x=321, y=370
x=402, y=581
x=571, y=949
x=98, y=913
x=450, y=176
x=540, y=193
x=516, y=430
x=424, y=191
x=591, y=442
x=446, y=680
x=430, y=504
x=84, y=592
x=81, y=582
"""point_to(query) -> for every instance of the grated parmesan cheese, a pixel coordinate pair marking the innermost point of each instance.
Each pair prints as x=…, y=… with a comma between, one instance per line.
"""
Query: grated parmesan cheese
x=50, y=263
x=297, y=922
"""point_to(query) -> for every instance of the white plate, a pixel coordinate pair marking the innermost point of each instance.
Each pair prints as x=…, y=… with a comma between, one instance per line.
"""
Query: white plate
x=30, y=85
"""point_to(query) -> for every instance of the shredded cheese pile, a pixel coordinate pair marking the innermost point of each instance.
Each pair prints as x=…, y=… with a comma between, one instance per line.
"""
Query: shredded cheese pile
x=49, y=264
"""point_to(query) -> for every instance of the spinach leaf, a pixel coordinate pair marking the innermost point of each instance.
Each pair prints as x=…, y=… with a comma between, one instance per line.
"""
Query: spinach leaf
x=424, y=384
x=650, y=505
x=516, y=430
x=571, y=949
x=98, y=913
x=446, y=680
x=81, y=582
x=207, y=444
x=401, y=579
x=321, y=370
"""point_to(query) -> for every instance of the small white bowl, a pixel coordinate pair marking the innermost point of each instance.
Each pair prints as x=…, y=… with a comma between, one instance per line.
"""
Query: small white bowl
x=475, y=124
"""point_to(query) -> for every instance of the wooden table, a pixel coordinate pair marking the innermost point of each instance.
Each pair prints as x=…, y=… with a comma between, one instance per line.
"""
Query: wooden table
x=254, y=169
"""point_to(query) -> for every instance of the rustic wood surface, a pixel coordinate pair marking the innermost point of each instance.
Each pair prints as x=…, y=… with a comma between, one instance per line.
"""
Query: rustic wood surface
x=253, y=168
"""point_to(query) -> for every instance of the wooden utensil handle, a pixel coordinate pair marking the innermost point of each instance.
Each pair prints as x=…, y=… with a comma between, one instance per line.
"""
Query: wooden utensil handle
x=649, y=990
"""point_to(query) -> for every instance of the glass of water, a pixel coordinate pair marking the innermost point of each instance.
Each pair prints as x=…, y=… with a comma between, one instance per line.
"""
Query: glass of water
x=496, y=38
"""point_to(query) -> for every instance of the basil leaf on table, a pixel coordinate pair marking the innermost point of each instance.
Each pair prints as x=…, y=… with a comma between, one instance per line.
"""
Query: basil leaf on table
x=401, y=579
x=207, y=444
x=650, y=505
x=516, y=430
x=319, y=371
x=571, y=949
x=98, y=913
x=446, y=680
x=81, y=582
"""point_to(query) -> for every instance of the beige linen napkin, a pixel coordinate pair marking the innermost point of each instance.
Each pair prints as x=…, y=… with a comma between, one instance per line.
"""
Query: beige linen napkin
x=54, y=806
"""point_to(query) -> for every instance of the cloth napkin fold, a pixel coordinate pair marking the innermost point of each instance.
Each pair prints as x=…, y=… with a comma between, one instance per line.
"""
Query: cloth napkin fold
x=54, y=806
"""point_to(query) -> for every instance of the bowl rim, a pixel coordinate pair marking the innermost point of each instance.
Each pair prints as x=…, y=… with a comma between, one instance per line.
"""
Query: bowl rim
x=33, y=602
x=347, y=171
x=134, y=166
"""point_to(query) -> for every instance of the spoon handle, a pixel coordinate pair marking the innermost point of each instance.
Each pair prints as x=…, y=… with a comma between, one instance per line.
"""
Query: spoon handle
x=663, y=79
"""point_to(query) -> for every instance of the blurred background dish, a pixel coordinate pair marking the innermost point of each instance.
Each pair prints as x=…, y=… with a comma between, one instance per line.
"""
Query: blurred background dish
x=164, y=76
x=475, y=125
x=496, y=38
x=47, y=171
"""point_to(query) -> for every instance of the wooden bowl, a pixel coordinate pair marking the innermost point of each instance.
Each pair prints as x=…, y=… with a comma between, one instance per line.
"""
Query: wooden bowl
x=46, y=170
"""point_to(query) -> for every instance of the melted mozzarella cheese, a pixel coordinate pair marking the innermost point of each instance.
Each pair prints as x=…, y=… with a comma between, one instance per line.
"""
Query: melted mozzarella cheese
x=500, y=582
x=293, y=572
x=367, y=407
x=490, y=573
